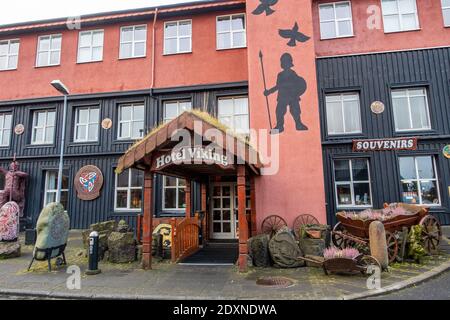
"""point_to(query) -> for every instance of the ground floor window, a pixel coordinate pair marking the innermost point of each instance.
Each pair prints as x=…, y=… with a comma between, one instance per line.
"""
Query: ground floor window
x=173, y=193
x=419, y=180
x=128, y=190
x=352, y=183
x=51, y=188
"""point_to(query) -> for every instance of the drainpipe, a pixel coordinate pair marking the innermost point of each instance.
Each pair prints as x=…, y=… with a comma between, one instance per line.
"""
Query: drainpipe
x=152, y=83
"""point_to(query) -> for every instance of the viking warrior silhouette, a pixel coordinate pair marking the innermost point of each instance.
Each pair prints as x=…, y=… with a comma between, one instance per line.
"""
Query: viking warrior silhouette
x=290, y=87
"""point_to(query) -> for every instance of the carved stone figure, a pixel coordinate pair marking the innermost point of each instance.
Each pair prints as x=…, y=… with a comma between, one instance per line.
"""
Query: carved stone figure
x=9, y=221
x=14, y=186
x=284, y=250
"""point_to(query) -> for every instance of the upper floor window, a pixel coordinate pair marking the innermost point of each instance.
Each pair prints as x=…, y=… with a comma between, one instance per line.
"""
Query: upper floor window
x=133, y=42
x=178, y=37
x=90, y=46
x=411, y=109
x=352, y=183
x=5, y=129
x=335, y=20
x=9, y=54
x=343, y=113
x=128, y=190
x=231, y=32
x=446, y=12
x=43, y=131
x=173, y=109
x=419, y=180
x=233, y=112
x=86, y=124
x=131, y=121
x=49, y=50
x=399, y=15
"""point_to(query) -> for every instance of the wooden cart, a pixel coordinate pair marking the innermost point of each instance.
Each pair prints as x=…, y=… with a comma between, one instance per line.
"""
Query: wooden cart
x=355, y=233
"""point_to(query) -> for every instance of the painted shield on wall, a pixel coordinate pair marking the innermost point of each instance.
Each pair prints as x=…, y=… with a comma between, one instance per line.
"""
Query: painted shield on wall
x=88, y=182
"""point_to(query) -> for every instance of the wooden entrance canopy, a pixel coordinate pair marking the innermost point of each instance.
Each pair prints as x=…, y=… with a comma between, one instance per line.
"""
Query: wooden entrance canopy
x=207, y=148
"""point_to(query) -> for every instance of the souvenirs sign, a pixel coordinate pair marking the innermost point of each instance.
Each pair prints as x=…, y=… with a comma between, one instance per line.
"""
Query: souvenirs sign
x=446, y=151
x=192, y=155
x=385, y=144
x=88, y=182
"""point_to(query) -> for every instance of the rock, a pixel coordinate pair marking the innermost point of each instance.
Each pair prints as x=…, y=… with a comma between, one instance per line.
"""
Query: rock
x=313, y=247
x=284, y=250
x=258, y=247
x=122, y=226
x=9, y=221
x=104, y=230
x=377, y=241
x=318, y=264
x=121, y=247
x=157, y=245
x=9, y=250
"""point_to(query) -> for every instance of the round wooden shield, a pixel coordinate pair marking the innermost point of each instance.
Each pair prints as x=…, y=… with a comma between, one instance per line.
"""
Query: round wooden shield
x=446, y=151
x=88, y=182
x=19, y=129
x=107, y=123
x=377, y=107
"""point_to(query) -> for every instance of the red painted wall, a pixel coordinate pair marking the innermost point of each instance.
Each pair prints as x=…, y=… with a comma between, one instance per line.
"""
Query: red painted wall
x=203, y=66
x=298, y=187
x=432, y=33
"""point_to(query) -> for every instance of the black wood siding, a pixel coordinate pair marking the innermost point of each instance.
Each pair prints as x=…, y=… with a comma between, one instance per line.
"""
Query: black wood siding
x=373, y=76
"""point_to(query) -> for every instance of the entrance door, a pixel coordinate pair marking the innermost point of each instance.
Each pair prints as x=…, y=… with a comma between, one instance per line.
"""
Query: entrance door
x=223, y=219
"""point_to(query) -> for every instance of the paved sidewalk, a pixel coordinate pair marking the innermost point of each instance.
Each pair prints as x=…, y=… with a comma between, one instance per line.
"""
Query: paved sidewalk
x=171, y=281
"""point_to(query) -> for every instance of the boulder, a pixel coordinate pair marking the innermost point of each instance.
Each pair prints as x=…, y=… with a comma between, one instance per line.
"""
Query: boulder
x=284, y=250
x=104, y=230
x=312, y=247
x=9, y=221
x=121, y=247
x=157, y=245
x=9, y=250
x=258, y=247
x=377, y=243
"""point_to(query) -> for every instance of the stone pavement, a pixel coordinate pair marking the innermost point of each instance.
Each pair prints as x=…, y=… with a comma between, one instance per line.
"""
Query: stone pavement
x=172, y=281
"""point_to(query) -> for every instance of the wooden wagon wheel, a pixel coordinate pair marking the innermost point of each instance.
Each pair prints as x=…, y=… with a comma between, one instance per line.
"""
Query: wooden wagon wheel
x=367, y=261
x=337, y=239
x=272, y=224
x=432, y=233
x=302, y=220
x=392, y=246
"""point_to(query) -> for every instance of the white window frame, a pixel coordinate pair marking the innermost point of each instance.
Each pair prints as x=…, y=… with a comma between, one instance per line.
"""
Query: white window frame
x=177, y=102
x=399, y=15
x=4, y=129
x=408, y=97
x=46, y=190
x=8, y=55
x=342, y=102
x=351, y=183
x=91, y=45
x=336, y=20
x=50, y=50
x=177, y=189
x=87, y=124
x=231, y=31
x=443, y=14
x=177, y=37
x=418, y=180
x=128, y=188
x=234, y=114
x=131, y=121
x=44, y=127
x=133, y=42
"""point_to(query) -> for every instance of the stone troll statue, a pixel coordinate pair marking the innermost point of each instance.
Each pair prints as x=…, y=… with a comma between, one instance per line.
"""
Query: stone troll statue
x=14, y=186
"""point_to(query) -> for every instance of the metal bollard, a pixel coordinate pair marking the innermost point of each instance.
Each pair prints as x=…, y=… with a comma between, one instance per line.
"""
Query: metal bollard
x=93, y=254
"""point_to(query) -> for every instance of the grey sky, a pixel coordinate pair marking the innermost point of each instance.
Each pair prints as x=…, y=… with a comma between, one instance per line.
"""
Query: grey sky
x=28, y=10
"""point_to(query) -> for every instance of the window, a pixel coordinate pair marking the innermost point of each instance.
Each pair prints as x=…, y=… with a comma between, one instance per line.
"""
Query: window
x=49, y=50
x=399, y=15
x=5, y=129
x=9, y=54
x=43, y=127
x=343, y=113
x=446, y=12
x=233, y=112
x=128, y=194
x=131, y=121
x=231, y=32
x=352, y=183
x=411, y=109
x=133, y=42
x=419, y=180
x=173, y=194
x=86, y=124
x=90, y=46
x=51, y=188
x=173, y=109
x=335, y=20
x=178, y=37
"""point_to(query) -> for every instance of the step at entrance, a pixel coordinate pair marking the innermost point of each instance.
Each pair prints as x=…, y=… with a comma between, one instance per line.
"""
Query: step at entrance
x=214, y=253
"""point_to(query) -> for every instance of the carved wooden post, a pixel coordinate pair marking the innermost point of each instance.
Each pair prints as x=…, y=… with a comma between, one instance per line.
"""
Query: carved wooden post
x=173, y=253
x=243, y=225
x=253, y=206
x=205, y=211
x=148, y=221
x=187, y=191
x=378, y=247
